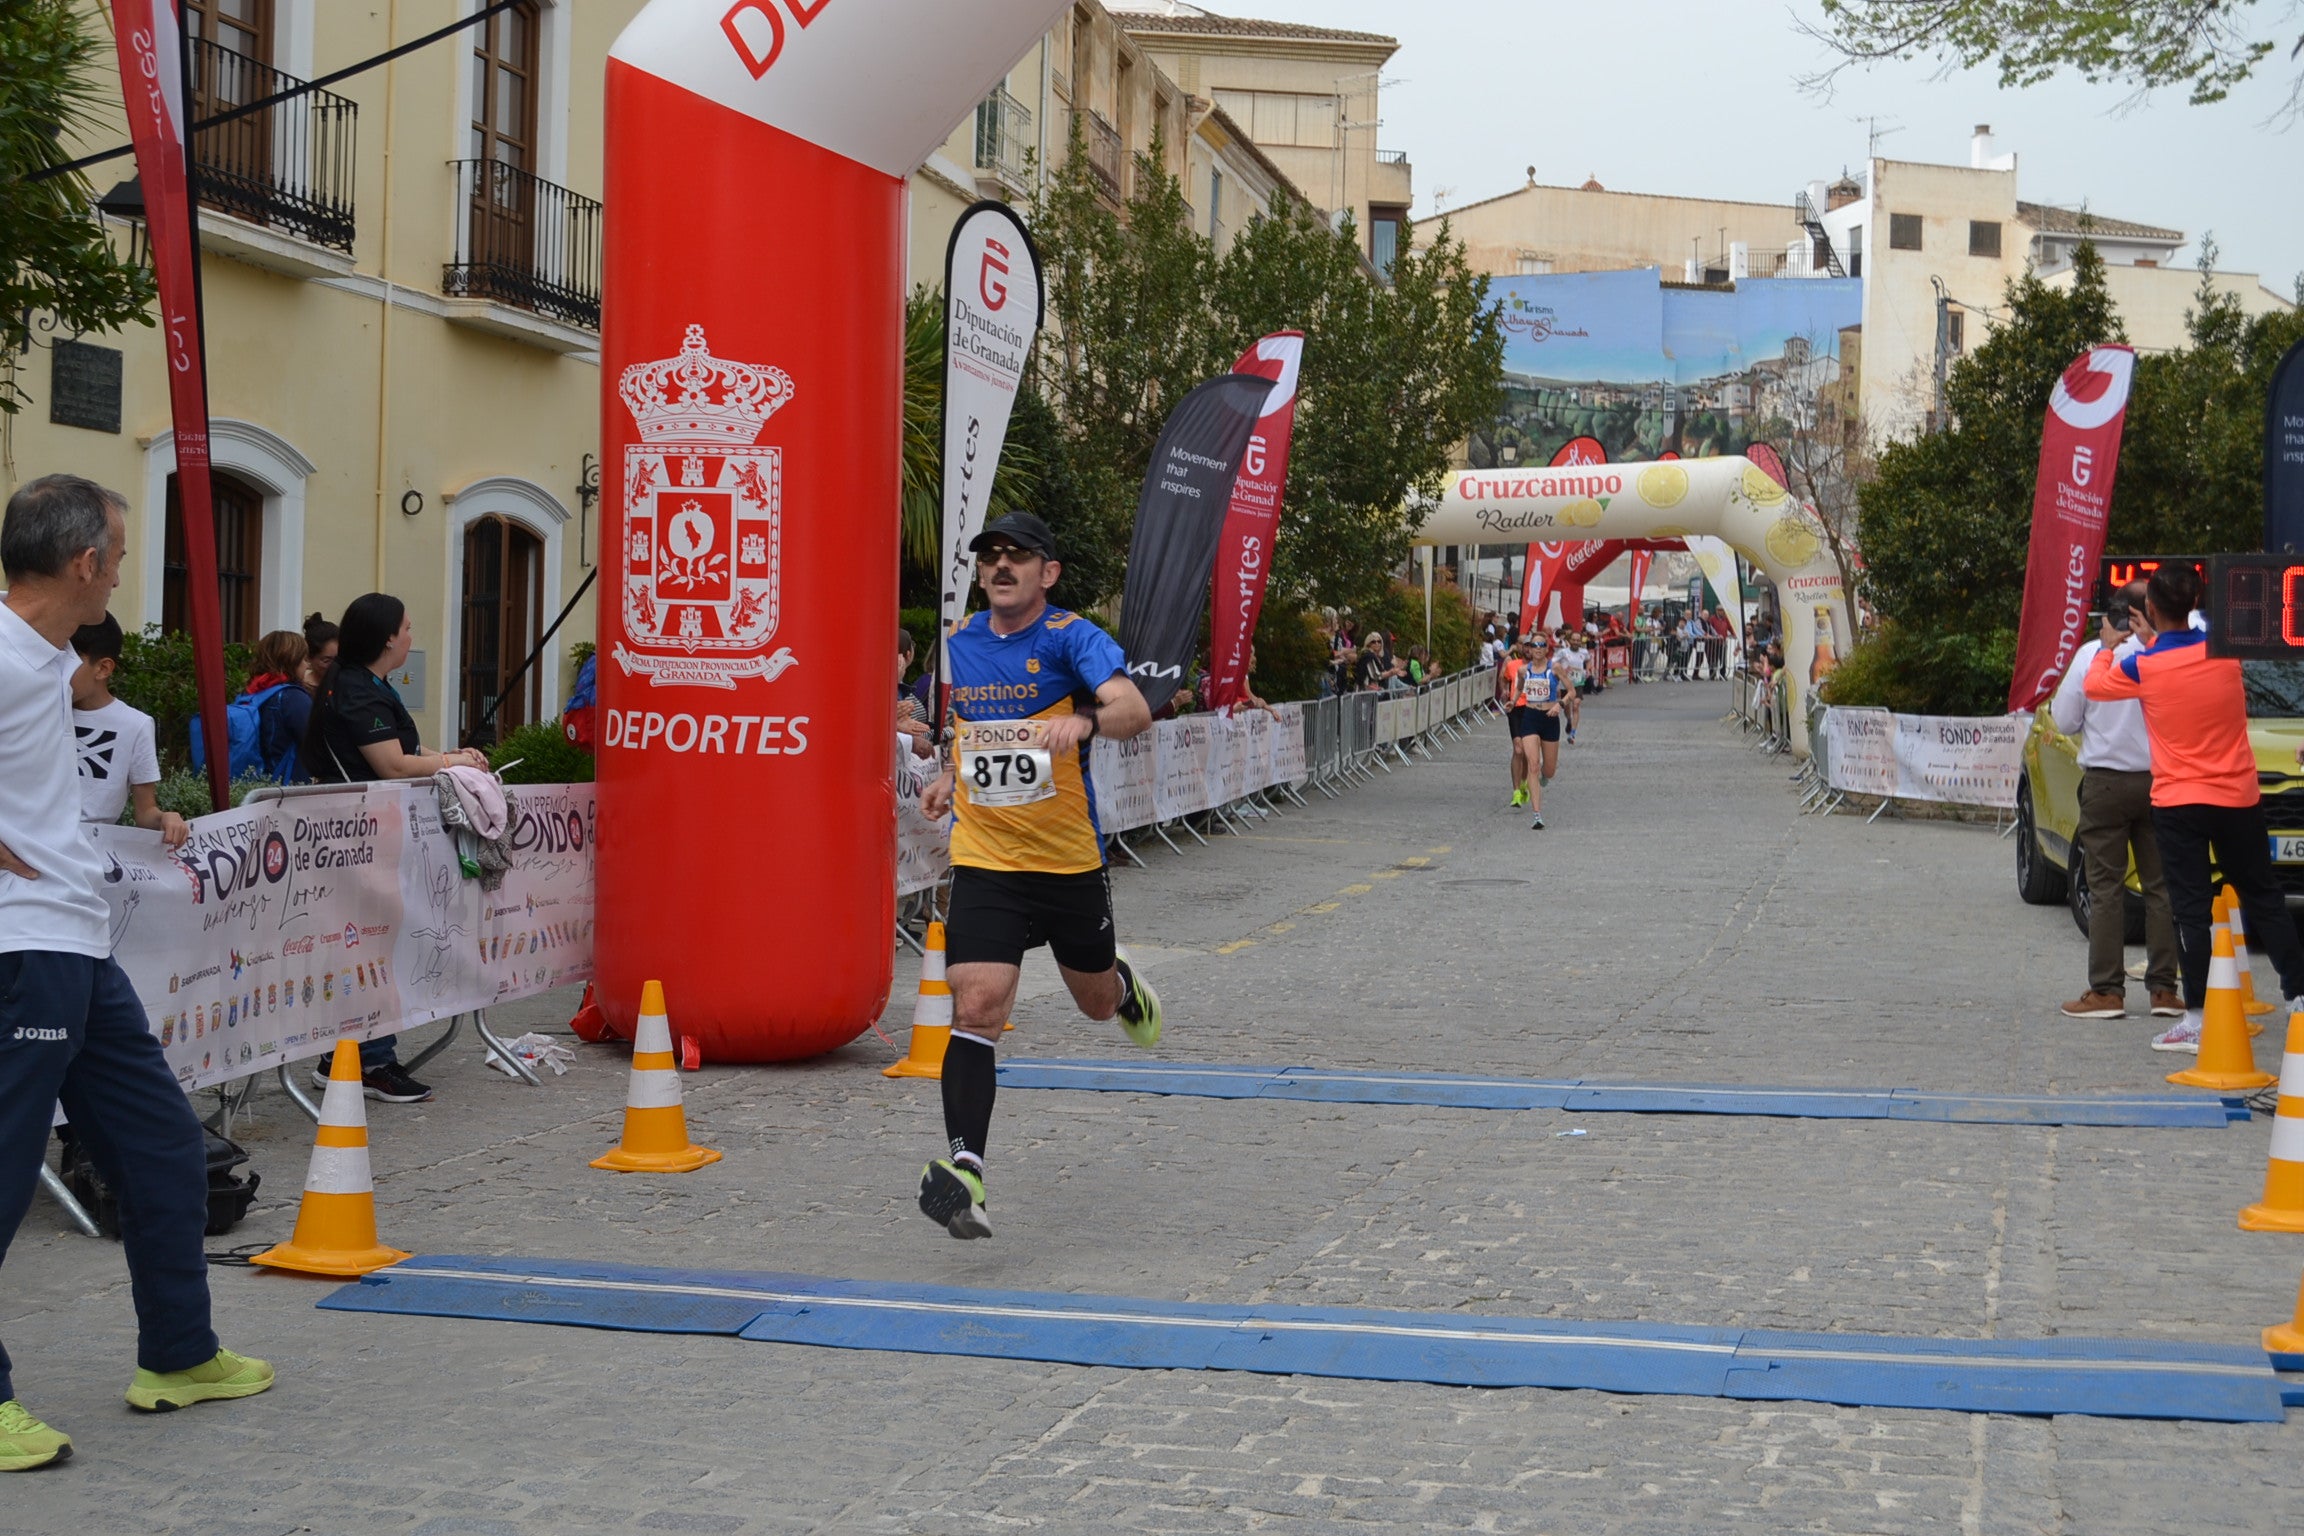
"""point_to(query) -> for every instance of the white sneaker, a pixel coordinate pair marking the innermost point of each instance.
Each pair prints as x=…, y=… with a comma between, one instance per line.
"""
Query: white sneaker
x=2182, y=1036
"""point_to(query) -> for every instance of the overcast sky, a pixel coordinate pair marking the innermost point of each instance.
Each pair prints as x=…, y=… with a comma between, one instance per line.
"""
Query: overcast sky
x=1673, y=96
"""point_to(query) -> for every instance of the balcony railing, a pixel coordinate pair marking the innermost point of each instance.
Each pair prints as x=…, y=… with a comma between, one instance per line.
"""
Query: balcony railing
x=289, y=166
x=1107, y=156
x=1391, y=157
x=1003, y=139
x=522, y=241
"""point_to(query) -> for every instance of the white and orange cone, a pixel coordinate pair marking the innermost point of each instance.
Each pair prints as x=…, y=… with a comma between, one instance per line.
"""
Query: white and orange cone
x=931, y=1016
x=2225, y=1060
x=2250, y=1004
x=655, y=1126
x=2282, y=1208
x=336, y=1224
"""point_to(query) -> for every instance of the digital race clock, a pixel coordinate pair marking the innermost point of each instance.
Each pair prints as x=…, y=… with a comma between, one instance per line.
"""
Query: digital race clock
x=2255, y=606
x=2116, y=571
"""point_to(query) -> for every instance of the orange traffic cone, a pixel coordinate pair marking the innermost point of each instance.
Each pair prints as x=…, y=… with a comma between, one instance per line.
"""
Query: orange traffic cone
x=931, y=1016
x=2282, y=1208
x=2249, y=1003
x=2288, y=1338
x=336, y=1225
x=655, y=1127
x=2225, y=1059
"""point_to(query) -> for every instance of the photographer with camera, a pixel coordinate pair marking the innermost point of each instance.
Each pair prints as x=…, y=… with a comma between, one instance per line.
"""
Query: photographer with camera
x=2115, y=820
x=2204, y=786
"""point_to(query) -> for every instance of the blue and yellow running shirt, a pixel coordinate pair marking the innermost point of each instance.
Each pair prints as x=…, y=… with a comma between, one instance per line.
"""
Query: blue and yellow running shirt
x=1017, y=806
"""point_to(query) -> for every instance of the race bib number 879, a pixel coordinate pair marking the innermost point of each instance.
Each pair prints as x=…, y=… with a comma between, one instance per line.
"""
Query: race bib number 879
x=1005, y=763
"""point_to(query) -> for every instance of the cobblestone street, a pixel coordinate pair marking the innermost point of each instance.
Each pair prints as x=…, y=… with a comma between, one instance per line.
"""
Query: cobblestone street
x=1677, y=922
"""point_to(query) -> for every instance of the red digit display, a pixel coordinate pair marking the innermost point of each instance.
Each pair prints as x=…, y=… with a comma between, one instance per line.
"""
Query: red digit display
x=2255, y=607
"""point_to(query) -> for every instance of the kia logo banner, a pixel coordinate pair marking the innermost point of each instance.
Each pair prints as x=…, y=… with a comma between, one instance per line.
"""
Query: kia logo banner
x=1252, y=522
x=1179, y=520
x=2071, y=500
x=992, y=312
x=2284, y=455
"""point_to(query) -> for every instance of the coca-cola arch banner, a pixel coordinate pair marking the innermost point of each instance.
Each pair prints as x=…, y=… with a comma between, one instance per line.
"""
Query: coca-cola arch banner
x=751, y=363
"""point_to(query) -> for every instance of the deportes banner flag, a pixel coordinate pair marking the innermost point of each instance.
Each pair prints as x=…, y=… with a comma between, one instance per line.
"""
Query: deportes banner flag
x=751, y=435
x=992, y=312
x=2284, y=455
x=1718, y=563
x=1252, y=523
x=1537, y=582
x=2079, y=451
x=153, y=68
x=1640, y=562
x=1179, y=517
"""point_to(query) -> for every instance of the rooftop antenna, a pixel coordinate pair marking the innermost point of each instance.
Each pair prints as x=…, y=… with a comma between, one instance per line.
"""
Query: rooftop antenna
x=1874, y=133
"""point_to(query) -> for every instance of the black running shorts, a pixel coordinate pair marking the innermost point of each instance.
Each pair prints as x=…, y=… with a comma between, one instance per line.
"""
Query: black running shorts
x=998, y=914
x=1522, y=721
x=1542, y=726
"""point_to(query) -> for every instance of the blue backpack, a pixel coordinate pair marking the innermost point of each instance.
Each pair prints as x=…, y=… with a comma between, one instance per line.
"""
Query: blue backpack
x=244, y=739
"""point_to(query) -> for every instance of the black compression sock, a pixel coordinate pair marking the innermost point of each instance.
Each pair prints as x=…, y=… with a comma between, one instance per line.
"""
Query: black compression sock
x=1128, y=1008
x=971, y=1079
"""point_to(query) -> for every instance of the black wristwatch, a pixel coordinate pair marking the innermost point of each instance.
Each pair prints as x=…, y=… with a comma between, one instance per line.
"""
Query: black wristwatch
x=1095, y=722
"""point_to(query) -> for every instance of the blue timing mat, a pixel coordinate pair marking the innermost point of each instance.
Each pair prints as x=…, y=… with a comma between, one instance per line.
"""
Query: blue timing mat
x=1450, y=1091
x=2115, y=1378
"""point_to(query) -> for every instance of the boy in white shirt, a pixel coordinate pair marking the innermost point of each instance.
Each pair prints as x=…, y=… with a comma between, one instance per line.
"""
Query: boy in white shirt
x=117, y=742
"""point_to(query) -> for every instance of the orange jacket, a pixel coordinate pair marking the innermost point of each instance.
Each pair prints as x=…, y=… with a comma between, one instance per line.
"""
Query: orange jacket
x=2195, y=711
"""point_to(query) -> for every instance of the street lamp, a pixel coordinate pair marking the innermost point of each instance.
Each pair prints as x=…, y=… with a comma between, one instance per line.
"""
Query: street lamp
x=126, y=202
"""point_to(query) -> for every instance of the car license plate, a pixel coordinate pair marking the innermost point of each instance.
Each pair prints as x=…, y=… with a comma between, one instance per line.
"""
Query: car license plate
x=2288, y=847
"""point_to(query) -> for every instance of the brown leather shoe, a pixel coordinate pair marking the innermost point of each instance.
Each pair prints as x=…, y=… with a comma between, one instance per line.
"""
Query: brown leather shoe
x=2167, y=1005
x=2097, y=1005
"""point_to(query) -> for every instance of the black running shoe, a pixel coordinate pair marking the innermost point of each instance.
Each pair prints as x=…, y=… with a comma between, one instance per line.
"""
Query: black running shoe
x=953, y=1198
x=391, y=1084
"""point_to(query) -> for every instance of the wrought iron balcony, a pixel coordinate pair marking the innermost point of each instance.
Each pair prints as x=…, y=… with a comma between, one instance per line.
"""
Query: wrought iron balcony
x=523, y=241
x=1003, y=139
x=1107, y=156
x=289, y=166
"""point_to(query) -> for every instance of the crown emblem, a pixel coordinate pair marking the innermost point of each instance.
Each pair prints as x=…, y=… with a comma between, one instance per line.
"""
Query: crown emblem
x=699, y=398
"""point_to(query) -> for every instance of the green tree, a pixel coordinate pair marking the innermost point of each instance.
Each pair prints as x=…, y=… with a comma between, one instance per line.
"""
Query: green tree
x=1395, y=375
x=2191, y=476
x=54, y=256
x=2206, y=46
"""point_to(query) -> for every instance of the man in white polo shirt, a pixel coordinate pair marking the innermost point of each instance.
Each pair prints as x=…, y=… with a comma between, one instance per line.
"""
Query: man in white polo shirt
x=2115, y=819
x=71, y=1028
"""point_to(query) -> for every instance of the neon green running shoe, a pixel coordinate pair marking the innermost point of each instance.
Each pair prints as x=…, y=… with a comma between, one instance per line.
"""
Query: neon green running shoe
x=26, y=1443
x=1139, y=1005
x=228, y=1375
x=953, y=1198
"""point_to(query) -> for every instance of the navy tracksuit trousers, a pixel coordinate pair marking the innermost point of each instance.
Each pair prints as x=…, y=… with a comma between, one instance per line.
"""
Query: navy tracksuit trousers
x=72, y=1030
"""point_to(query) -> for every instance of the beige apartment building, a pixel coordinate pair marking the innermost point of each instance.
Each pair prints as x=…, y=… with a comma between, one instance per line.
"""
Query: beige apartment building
x=402, y=286
x=1936, y=246
x=1537, y=229
x=1309, y=97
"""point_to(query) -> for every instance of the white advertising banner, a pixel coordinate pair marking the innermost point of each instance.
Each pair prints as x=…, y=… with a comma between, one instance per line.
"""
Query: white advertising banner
x=1228, y=775
x=923, y=848
x=1956, y=760
x=1181, y=751
x=1289, y=759
x=282, y=927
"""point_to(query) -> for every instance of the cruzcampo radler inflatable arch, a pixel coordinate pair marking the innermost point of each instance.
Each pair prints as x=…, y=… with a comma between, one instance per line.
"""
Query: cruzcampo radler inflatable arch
x=752, y=394
x=1729, y=497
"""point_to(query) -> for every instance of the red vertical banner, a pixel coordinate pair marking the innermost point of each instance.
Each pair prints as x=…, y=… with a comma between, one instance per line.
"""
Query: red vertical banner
x=1570, y=571
x=2079, y=451
x=152, y=87
x=1641, y=559
x=1252, y=522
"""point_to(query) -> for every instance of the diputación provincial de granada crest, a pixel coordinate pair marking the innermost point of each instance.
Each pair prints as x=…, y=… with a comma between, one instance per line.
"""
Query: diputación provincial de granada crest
x=703, y=508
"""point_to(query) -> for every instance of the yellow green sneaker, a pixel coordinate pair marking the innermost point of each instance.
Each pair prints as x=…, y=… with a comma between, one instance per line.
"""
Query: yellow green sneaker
x=228, y=1375
x=952, y=1196
x=26, y=1443
x=1139, y=1005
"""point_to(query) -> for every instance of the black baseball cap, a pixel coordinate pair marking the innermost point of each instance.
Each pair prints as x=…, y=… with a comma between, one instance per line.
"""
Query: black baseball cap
x=1021, y=529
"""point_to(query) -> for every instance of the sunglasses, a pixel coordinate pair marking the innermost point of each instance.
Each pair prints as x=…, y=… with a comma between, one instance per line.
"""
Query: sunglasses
x=994, y=554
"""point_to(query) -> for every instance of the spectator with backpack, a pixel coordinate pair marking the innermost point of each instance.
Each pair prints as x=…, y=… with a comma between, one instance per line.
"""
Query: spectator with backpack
x=264, y=727
x=117, y=742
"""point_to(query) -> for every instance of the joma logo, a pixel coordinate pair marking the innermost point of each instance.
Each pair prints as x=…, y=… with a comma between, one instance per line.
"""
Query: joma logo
x=43, y=1034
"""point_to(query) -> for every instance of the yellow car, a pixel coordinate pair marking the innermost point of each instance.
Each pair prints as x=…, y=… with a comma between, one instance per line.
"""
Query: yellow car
x=2049, y=866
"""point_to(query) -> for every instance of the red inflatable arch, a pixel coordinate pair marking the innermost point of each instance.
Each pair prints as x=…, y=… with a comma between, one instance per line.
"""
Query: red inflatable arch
x=751, y=364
